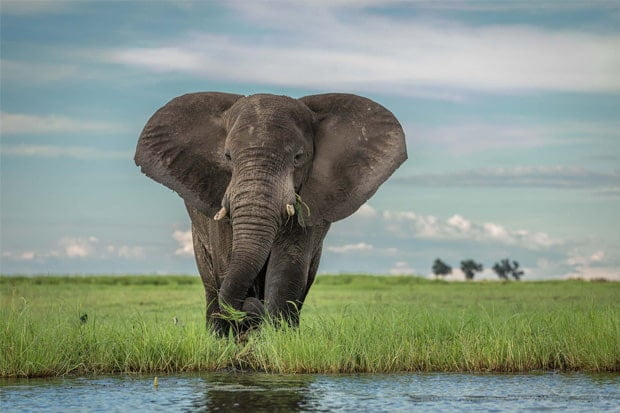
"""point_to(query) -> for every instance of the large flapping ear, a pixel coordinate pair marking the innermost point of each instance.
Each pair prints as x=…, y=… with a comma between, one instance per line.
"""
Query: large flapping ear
x=358, y=145
x=182, y=147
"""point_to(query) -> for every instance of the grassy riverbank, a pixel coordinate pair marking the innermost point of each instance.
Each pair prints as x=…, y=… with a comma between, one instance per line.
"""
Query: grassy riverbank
x=61, y=325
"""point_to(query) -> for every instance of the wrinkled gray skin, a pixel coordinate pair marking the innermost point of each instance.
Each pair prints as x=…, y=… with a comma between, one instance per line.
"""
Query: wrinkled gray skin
x=251, y=155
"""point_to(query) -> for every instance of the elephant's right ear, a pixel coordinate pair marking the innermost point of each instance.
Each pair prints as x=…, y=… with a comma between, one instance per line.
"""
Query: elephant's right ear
x=182, y=147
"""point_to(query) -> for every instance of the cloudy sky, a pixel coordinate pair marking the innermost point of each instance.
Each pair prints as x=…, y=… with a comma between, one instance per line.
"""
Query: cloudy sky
x=511, y=111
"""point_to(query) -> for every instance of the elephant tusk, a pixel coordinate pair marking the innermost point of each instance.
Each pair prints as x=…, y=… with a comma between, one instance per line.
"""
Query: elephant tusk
x=290, y=210
x=220, y=214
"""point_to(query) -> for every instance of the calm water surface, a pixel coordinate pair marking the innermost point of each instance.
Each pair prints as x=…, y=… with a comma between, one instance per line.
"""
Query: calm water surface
x=316, y=393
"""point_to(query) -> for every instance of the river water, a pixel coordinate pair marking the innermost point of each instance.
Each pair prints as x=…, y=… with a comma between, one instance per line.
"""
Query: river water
x=316, y=393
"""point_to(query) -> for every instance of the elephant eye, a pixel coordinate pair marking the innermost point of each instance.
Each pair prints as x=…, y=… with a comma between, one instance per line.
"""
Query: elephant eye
x=227, y=156
x=299, y=157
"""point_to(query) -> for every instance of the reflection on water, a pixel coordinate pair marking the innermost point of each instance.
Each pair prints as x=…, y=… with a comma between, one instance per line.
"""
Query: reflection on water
x=252, y=392
x=316, y=393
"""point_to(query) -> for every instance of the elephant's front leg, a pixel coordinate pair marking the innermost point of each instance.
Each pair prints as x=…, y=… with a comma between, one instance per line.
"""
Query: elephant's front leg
x=287, y=277
x=209, y=280
x=211, y=241
x=285, y=285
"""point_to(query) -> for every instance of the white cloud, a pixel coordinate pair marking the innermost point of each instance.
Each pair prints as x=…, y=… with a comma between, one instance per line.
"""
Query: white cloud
x=411, y=225
x=574, y=265
x=520, y=176
x=468, y=137
x=592, y=265
x=23, y=123
x=36, y=73
x=459, y=222
x=186, y=245
x=343, y=249
x=255, y=8
x=27, y=255
x=598, y=256
x=165, y=59
x=416, y=239
x=52, y=151
x=596, y=273
x=402, y=268
x=125, y=251
x=78, y=247
x=577, y=258
x=19, y=256
x=461, y=137
x=365, y=211
x=328, y=48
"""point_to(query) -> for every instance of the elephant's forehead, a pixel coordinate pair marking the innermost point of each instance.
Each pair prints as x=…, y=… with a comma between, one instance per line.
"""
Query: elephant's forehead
x=261, y=124
x=267, y=100
x=270, y=110
x=281, y=135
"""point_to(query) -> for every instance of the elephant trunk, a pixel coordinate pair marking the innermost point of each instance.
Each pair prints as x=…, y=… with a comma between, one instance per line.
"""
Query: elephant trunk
x=256, y=214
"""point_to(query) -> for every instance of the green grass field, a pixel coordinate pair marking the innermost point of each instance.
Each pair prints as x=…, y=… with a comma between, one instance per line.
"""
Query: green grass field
x=349, y=324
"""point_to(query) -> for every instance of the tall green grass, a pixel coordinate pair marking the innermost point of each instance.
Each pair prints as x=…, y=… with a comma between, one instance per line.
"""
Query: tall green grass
x=349, y=324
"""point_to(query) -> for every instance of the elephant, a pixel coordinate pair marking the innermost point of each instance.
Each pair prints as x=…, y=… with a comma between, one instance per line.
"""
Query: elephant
x=262, y=178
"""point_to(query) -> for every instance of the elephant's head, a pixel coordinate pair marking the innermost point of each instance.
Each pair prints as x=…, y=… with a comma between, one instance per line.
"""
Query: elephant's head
x=254, y=158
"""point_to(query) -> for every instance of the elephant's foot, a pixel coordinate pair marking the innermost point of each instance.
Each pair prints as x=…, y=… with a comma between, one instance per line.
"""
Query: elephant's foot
x=222, y=325
x=218, y=325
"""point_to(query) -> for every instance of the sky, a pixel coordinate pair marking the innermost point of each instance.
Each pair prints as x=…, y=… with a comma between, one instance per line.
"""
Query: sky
x=511, y=112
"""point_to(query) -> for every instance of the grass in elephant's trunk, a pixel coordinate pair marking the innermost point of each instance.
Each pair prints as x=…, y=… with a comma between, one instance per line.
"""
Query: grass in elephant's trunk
x=302, y=211
x=349, y=324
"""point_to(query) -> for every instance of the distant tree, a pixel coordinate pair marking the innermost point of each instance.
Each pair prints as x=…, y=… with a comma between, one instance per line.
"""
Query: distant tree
x=470, y=268
x=504, y=269
x=440, y=268
x=515, y=271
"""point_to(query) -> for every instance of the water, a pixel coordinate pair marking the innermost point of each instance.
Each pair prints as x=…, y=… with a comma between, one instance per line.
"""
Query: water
x=316, y=393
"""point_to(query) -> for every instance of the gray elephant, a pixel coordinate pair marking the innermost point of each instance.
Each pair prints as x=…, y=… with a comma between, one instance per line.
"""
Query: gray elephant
x=263, y=177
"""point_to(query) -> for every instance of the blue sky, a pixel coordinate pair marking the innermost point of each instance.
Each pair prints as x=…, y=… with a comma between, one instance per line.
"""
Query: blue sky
x=510, y=111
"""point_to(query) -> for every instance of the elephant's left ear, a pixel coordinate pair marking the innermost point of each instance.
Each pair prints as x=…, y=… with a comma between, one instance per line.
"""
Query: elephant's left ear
x=358, y=145
x=182, y=147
